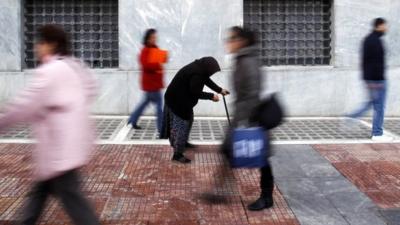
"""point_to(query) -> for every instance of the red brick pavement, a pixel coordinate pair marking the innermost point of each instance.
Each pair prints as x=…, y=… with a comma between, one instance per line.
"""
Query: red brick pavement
x=138, y=185
x=373, y=168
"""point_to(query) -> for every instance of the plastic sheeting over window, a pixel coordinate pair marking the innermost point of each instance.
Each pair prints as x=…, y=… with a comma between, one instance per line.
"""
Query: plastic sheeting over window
x=188, y=29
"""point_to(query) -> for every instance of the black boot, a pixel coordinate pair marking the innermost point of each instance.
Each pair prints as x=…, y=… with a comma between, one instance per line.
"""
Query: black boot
x=261, y=203
x=179, y=157
x=267, y=188
x=188, y=145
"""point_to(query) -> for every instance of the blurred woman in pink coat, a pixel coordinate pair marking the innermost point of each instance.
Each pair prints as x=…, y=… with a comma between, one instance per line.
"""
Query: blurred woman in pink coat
x=57, y=103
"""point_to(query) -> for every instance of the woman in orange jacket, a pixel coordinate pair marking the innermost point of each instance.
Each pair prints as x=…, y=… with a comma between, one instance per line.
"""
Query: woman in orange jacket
x=152, y=80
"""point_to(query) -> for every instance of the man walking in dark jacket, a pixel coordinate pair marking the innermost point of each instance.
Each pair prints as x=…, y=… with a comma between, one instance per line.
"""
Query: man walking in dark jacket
x=373, y=66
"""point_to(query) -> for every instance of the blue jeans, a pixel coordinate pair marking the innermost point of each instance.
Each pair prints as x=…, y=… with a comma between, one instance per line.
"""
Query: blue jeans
x=149, y=97
x=377, y=100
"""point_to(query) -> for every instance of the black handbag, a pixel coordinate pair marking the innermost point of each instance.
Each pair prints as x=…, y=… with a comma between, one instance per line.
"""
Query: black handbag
x=269, y=113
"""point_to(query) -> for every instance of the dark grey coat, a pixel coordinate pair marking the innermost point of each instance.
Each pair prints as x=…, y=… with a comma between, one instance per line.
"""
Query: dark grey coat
x=247, y=83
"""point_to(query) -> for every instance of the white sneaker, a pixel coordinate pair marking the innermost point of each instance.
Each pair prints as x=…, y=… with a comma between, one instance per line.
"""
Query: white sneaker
x=382, y=138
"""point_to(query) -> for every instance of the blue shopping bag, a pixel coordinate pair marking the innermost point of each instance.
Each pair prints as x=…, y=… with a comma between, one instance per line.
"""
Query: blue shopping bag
x=249, y=148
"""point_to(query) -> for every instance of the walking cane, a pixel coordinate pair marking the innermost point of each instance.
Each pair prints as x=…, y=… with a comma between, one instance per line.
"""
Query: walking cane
x=226, y=110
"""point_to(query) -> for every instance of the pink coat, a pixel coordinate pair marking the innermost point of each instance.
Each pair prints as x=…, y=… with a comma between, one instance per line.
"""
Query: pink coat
x=57, y=103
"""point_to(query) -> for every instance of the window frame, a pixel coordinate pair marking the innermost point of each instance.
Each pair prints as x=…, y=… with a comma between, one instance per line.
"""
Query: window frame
x=329, y=65
x=24, y=65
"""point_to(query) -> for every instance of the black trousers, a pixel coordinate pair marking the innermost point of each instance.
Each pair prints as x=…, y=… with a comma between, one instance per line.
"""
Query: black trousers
x=67, y=188
x=267, y=181
x=267, y=178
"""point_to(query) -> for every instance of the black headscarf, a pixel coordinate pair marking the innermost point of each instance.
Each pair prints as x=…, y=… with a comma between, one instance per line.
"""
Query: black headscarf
x=209, y=65
x=185, y=90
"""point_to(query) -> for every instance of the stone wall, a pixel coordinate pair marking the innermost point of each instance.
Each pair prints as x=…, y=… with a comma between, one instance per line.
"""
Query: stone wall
x=10, y=35
x=188, y=28
x=194, y=28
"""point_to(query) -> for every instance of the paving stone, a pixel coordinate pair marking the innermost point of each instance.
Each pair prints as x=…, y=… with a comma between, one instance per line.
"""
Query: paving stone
x=19, y=131
x=106, y=129
x=351, y=202
x=291, y=130
x=364, y=219
x=392, y=216
x=323, y=129
x=214, y=130
x=319, y=170
x=371, y=168
x=304, y=162
x=392, y=125
x=309, y=203
x=320, y=194
x=313, y=204
x=283, y=169
x=140, y=185
x=299, y=154
x=329, y=186
x=314, y=209
x=296, y=187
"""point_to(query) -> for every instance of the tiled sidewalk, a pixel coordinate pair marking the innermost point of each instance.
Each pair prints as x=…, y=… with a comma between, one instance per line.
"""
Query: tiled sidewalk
x=113, y=130
x=317, y=193
x=374, y=169
x=341, y=184
x=139, y=185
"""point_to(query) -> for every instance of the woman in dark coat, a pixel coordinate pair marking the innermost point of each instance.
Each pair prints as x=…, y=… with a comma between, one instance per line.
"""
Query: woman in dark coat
x=247, y=83
x=182, y=95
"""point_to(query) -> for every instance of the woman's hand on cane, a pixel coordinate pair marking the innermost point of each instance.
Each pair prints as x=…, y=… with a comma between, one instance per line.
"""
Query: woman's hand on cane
x=224, y=92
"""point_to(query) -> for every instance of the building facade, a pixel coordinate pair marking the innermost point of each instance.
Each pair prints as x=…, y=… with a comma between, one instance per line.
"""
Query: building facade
x=310, y=49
